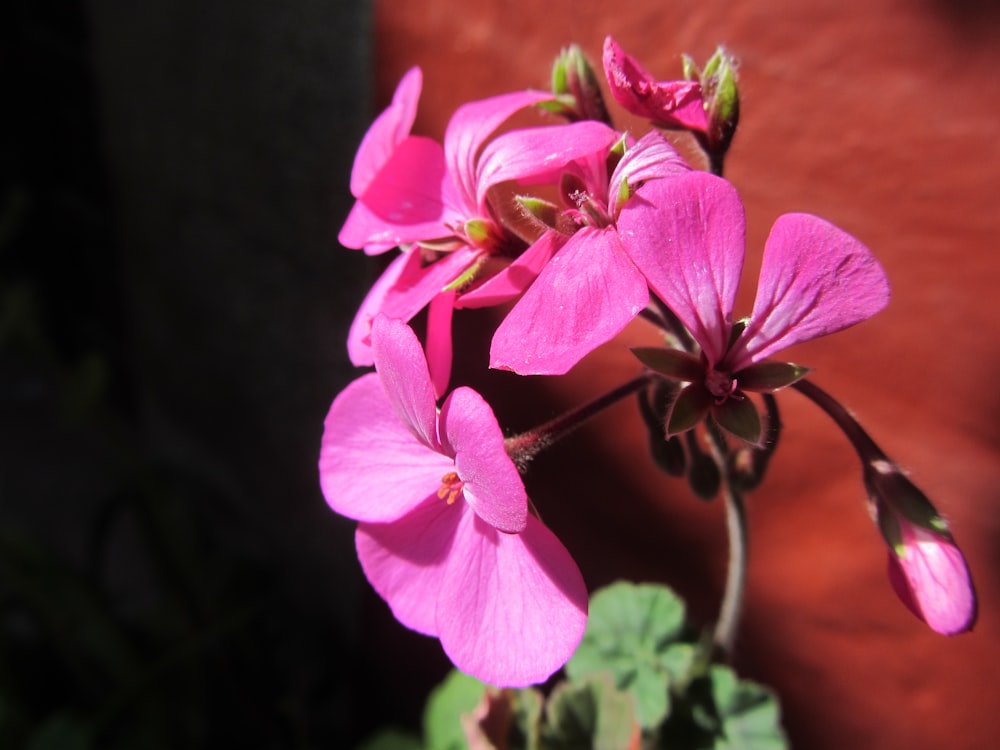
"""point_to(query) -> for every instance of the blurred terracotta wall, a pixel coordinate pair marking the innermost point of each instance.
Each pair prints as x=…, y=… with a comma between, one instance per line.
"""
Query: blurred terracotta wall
x=882, y=116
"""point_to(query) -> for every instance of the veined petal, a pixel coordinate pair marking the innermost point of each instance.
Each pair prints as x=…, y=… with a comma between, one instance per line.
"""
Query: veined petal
x=510, y=282
x=686, y=234
x=492, y=485
x=587, y=294
x=651, y=157
x=402, y=370
x=371, y=468
x=470, y=127
x=387, y=131
x=513, y=607
x=538, y=155
x=815, y=279
x=405, y=561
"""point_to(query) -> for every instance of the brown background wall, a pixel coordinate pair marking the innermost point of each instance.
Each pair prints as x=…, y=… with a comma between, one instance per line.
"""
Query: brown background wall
x=882, y=116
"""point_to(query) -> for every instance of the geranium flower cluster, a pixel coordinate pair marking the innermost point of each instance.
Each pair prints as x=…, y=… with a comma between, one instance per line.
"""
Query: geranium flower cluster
x=583, y=228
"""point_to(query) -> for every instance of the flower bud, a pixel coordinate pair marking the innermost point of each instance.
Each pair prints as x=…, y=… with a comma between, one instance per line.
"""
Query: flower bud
x=578, y=95
x=926, y=567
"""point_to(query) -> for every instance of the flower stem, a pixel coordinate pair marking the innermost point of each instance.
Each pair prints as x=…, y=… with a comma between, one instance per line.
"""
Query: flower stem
x=867, y=450
x=739, y=545
x=524, y=447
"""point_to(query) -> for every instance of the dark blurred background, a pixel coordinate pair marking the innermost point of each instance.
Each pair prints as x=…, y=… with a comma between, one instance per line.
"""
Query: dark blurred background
x=173, y=307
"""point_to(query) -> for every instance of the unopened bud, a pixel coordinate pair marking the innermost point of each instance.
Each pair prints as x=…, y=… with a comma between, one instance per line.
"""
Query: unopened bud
x=577, y=93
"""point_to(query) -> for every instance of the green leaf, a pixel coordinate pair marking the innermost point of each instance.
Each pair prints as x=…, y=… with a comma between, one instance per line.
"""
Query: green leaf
x=630, y=634
x=526, y=719
x=590, y=714
x=749, y=713
x=458, y=694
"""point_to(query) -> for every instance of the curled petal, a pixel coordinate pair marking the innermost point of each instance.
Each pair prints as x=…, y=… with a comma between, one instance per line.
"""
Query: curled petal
x=405, y=561
x=387, y=131
x=467, y=131
x=672, y=104
x=511, y=281
x=493, y=487
x=686, y=234
x=370, y=467
x=815, y=279
x=513, y=607
x=652, y=157
x=588, y=293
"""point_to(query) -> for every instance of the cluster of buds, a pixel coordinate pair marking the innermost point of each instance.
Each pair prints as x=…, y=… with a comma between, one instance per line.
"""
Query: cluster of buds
x=580, y=229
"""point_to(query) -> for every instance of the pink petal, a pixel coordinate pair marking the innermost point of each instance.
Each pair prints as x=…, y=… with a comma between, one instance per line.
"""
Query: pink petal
x=538, y=155
x=403, y=290
x=405, y=561
x=513, y=607
x=931, y=578
x=510, y=282
x=467, y=131
x=371, y=468
x=585, y=296
x=815, y=279
x=672, y=104
x=439, y=352
x=359, y=344
x=402, y=369
x=686, y=234
x=409, y=200
x=387, y=131
x=493, y=486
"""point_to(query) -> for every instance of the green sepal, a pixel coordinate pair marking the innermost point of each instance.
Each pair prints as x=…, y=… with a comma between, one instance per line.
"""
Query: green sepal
x=769, y=376
x=689, y=408
x=691, y=72
x=542, y=210
x=739, y=416
x=667, y=453
x=477, y=230
x=671, y=363
x=893, y=493
x=467, y=276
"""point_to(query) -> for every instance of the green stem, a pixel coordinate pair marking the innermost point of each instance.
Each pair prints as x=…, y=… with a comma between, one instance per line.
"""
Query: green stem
x=867, y=449
x=737, y=532
x=524, y=447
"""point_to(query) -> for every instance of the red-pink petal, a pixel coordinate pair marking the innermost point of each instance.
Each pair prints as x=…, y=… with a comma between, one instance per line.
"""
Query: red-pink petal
x=439, y=351
x=512, y=607
x=402, y=369
x=686, y=234
x=815, y=279
x=492, y=484
x=405, y=561
x=371, y=468
x=359, y=342
x=672, y=104
x=587, y=294
x=387, y=131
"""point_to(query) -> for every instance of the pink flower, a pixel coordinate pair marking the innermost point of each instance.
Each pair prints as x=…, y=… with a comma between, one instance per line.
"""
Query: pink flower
x=437, y=202
x=590, y=289
x=669, y=104
x=445, y=534
x=687, y=237
x=926, y=567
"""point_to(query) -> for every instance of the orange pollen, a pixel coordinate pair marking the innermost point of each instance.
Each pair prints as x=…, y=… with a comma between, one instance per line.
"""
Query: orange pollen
x=451, y=485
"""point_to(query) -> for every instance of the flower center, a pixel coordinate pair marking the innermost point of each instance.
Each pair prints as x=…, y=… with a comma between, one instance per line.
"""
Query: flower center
x=451, y=485
x=720, y=385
